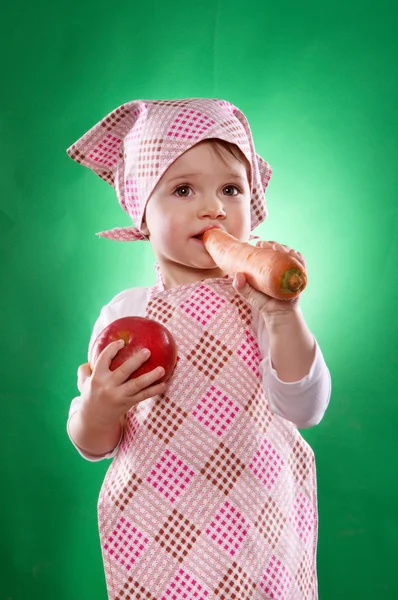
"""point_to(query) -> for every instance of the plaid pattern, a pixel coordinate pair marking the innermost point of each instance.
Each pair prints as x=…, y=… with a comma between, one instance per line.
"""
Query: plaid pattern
x=302, y=518
x=211, y=496
x=125, y=544
x=133, y=146
x=223, y=469
x=267, y=464
x=235, y=585
x=277, y=579
x=167, y=419
x=203, y=307
x=190, y=124
x=170, y=476
x=271, y=523
x=228, y=529
x=122, y=490
x=186, y=587
x=216, y=411
x=177, y=536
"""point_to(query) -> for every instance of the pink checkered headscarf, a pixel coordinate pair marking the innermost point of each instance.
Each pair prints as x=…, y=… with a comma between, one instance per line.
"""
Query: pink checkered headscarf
x=133, y=146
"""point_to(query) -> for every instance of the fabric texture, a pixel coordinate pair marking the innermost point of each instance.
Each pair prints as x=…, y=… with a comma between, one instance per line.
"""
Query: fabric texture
x=302, y=402
x=210, y=495
x=133, y=146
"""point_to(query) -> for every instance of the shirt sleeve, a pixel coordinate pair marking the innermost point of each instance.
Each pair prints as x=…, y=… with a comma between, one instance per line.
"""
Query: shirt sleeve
x=127, y=303
x=302, y=402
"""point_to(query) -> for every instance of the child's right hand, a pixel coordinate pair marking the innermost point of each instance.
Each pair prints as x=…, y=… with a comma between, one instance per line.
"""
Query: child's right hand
x=107, y=395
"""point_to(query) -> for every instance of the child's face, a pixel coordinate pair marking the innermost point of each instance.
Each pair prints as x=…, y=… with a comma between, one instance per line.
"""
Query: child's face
x=199, y=189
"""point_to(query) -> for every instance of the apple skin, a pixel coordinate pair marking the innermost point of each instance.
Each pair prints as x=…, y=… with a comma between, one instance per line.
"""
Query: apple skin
x=138, y=333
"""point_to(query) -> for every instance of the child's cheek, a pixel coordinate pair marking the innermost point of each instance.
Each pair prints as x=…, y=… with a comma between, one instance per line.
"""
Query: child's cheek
x=176, y=228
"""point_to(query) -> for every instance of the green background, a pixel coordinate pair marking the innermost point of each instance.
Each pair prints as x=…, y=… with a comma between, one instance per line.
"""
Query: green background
x=319, y=86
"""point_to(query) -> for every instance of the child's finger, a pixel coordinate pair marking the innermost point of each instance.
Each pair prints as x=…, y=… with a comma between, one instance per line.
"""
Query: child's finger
x=148, y=392
x=272, y=244
x=255, y=298
x=264, y=244
x=134, y=362
x=239, y=281
x=105, y=358
x=282, y=247
x=299, y=257
x=83, y=373
x=138, y=387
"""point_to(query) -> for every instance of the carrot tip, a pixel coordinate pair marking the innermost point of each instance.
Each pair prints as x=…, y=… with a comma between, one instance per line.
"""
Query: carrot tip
x=293, y=280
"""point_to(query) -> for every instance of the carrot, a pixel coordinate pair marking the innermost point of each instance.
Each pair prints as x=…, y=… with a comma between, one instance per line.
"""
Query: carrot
x=272, y=272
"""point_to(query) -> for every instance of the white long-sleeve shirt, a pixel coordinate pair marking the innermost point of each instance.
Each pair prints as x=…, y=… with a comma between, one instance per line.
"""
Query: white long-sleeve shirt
x=302, y=402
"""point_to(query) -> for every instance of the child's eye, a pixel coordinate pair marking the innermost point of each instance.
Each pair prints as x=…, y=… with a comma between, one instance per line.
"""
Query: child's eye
x=183, y=191
x=230, y=189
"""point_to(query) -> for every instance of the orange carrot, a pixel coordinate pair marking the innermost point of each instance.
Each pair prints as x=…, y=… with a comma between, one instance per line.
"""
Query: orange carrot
x=272, y=272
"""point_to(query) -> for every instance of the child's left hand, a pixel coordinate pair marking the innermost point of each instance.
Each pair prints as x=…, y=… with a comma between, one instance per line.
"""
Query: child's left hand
x=262, y=302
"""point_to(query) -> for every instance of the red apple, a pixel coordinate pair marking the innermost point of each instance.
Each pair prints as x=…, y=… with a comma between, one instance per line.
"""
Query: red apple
x=138, y=333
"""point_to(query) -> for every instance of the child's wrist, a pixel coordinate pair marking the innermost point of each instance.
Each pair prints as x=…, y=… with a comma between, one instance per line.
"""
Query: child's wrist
x=94, y=420
x=93, y=435
x=282, y=320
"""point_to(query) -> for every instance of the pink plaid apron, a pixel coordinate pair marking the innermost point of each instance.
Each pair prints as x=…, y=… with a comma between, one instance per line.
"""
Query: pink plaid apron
x=211, y=496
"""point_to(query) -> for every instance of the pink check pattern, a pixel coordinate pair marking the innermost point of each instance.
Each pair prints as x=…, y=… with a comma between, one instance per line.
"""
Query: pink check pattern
x=126, y=543
x=203, y=307
x=170, y=476
x=267, y=465
x=211, y=496
x=248, y=352
x=190, y=124
x=138, y=141
x=186, y=587
x=216, y=411
x=302, y=518
x=228, y=529
x=106, y=152
x=277, y=579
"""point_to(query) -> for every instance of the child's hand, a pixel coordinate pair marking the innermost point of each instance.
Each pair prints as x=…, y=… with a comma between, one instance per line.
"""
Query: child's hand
x=262, y=302
x=107, y=395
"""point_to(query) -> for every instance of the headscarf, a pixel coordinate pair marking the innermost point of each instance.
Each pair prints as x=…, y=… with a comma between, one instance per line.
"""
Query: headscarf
x=133, y=146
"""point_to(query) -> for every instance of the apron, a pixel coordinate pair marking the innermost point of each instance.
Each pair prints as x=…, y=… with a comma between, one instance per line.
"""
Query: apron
x=211, y=496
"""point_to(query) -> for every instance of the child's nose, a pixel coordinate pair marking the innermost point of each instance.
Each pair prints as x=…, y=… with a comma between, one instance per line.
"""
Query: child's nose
x=212, y=207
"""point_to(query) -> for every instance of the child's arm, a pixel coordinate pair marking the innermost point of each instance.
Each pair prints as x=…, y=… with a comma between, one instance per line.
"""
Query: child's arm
x=292, y=345
x=106, y=396
x=79, y=428
x=93, y=441
x=296, y=379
